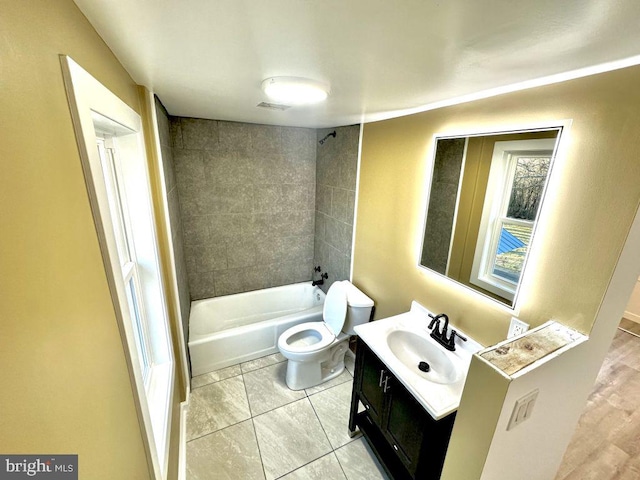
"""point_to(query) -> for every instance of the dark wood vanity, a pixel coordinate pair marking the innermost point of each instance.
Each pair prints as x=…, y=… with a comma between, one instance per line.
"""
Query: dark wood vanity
x=406, y=439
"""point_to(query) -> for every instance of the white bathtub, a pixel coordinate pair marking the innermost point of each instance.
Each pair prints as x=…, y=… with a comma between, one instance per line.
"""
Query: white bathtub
x=227, y=330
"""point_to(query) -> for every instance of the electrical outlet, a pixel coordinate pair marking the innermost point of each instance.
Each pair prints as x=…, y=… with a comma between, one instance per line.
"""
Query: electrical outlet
x=517, y=327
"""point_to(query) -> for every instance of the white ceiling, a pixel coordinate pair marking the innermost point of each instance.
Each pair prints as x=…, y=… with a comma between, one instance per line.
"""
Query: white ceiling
x=207, y=58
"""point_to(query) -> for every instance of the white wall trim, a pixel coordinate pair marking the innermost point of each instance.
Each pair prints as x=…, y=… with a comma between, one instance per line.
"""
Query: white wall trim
x=149, y=98
x=355, y=207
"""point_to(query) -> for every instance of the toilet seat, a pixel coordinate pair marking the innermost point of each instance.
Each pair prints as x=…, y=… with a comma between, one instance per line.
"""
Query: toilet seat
x=334, y=310
x=319, y=328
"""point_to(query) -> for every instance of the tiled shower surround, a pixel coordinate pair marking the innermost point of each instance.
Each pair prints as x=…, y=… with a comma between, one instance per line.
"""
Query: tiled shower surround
x=337, y=163
x=248, y=203
x=247, y=195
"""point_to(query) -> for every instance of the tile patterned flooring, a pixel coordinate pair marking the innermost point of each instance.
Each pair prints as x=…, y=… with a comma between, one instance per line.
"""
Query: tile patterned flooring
x=244, y=424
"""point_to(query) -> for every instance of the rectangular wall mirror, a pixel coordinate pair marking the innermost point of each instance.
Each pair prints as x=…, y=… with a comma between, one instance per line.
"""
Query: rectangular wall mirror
x=484, y=201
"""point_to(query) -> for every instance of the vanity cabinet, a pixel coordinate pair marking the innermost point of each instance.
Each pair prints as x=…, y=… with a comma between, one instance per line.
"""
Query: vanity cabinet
x=409, y=443
x=373, y=386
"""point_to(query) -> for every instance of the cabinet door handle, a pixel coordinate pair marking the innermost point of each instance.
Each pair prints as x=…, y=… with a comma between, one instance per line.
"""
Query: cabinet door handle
x=386, y=385
x=395, y=447
x=381, y=375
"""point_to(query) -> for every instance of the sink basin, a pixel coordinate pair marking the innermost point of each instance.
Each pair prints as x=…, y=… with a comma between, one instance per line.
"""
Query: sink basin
x=402, y=341
x=411, y=349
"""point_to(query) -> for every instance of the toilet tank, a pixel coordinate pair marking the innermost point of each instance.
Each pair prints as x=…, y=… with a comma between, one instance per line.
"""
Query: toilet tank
x=358, y=307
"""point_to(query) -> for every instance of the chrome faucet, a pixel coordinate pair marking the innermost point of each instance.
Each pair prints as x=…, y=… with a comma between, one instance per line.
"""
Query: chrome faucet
x=440, y=336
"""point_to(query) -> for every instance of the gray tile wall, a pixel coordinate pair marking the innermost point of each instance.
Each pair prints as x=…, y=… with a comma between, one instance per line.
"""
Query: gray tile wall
x=175, y=221
x=247, y=198
x=336, y=169
x=442, y=203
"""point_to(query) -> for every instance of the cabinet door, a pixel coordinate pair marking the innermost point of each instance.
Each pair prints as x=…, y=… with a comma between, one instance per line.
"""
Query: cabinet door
x=372, y=393
x=406, y=424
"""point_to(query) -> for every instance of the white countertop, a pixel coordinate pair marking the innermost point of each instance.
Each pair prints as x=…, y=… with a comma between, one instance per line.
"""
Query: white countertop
x=438, y=399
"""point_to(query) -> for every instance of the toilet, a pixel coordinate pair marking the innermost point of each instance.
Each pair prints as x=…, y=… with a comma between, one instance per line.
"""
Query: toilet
x=315, y=350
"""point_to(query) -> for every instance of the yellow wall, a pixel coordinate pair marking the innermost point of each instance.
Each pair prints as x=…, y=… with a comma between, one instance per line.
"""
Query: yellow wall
x=594, y=196
x=64, y=385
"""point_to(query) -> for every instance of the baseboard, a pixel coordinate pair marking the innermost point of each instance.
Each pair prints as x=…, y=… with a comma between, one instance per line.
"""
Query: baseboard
x=632, y=316
x=182, y=452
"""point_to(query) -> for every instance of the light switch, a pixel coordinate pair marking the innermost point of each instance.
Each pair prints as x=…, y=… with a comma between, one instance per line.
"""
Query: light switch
x=522, y=409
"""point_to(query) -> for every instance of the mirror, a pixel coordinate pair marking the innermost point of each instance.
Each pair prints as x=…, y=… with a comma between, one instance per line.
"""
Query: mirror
x=484, y=199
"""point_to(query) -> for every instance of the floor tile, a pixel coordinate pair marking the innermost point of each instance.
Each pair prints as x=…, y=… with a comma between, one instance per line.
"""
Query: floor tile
x=231, y=453
x=359, y=463
x=290, y=437
x=290, y=434
x=216, y=406
x=345, y=376
x=267, y=389
x=324, y=468
x=215, y=376
x=262, y=362
x=332, y=408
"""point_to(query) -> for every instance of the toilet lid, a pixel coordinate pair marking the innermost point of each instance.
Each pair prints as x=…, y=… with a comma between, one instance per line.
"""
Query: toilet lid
x=335, y=308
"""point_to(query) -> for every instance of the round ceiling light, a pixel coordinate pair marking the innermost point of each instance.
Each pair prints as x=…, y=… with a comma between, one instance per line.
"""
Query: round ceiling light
x=295, y=90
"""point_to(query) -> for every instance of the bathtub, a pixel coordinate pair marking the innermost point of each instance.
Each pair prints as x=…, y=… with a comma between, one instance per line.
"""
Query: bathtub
x=236, y=328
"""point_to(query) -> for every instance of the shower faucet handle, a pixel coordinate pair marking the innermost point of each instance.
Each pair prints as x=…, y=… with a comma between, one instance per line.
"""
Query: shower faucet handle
x=323, y=277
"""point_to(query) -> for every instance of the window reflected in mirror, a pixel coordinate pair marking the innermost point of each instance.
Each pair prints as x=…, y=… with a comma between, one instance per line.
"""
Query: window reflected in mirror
x=485, y=197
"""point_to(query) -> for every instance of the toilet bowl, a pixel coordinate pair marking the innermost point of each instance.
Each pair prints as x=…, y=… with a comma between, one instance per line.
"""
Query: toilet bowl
x=315, y=350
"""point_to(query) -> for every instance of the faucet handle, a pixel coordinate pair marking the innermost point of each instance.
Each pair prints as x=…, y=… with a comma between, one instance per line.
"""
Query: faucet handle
x=452, y=338
x=434, y=321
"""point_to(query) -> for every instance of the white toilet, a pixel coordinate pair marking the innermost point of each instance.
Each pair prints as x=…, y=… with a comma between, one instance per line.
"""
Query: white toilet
x=316, y=350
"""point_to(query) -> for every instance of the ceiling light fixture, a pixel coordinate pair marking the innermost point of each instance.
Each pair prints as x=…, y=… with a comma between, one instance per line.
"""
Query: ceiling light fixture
x=295, y=90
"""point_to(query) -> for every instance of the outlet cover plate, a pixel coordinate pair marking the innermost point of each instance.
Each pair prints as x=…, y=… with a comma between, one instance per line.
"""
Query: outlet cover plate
x=517, y=327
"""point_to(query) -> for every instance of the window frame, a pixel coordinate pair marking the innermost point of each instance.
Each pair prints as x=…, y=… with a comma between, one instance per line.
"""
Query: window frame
x=96, y=111
x=499, y=188
x=123, y=232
